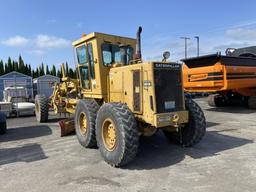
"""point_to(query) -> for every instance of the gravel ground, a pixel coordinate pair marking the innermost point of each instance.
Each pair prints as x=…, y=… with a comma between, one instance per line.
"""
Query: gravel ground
x=33, y=157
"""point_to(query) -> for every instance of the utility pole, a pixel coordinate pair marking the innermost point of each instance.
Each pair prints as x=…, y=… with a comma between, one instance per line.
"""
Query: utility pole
x=197, y=40
x=186, y=45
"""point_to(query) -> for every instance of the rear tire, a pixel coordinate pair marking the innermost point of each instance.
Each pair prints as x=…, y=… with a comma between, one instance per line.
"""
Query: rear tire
x=252, y=102
x=85, y=117
x=211, y=100
x=125, y=142
x=194, y=130
x=41, y=108
x=3, y=127
x=217, y=100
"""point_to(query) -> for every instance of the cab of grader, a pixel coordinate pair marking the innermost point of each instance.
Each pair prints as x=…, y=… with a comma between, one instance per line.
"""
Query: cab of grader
x=120, y=97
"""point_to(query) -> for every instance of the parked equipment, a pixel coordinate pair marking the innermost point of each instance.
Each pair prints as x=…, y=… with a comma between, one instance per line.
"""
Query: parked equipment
x=230, y=78
x=16, y=102
x=3, y=127
x=119, y=97
x=16, y=79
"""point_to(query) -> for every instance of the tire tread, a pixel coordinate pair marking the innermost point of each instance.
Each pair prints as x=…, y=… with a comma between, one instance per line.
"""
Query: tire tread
x=43, y=103
x=129, y=130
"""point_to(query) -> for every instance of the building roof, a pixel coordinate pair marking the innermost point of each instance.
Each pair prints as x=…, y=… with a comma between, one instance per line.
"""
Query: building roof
x=45, y=76
x=13, y=74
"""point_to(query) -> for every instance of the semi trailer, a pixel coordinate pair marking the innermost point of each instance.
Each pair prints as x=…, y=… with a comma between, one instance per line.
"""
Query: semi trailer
x=229, y=78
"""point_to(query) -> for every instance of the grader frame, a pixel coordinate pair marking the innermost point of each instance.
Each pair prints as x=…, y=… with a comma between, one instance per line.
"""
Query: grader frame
x=119, y=97
x=65, y=94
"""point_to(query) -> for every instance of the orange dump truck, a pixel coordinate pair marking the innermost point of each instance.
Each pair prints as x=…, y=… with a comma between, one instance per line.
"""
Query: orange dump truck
x=229, y=78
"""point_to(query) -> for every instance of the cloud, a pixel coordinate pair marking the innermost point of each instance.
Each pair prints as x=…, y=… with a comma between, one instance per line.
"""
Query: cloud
x=16, y=41
x=46, y=41
x=209, y=43
x=244, y=24
x=242, y=34
x=231, y=45
x=39, y=42
x=38, y=45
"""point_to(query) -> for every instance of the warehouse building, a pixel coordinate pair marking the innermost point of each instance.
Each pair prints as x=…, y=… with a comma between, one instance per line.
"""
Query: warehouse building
x=43, y=85
x=16, y=79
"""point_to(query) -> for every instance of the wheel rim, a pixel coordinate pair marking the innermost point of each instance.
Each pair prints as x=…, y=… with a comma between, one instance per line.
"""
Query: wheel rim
x=109, y=134
x=82, y=123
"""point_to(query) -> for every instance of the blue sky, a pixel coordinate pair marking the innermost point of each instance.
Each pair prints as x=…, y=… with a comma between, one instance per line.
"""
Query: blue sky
x=42, y=30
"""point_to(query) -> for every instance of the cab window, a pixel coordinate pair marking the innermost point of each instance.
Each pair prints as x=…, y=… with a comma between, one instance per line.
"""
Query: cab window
x=111, y=54
x=81, y=54
x=85, y=80
x=116, y=54
x=107, y=54
x=83, y=66
x=129, y=54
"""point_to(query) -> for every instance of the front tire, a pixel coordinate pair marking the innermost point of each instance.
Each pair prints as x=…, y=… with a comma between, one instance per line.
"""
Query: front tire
x=85, y=117
x=117, y=134
x=194, y=130
x=3, y=127
x=41, y=108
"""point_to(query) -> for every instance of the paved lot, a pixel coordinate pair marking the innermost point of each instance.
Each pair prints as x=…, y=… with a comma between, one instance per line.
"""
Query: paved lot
x=34, y=158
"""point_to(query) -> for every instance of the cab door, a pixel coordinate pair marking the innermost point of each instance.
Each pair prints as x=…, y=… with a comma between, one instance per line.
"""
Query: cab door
x=85, y=66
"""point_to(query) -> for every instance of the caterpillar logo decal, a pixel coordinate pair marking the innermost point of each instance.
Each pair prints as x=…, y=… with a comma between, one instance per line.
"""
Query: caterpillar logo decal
x=167, y=66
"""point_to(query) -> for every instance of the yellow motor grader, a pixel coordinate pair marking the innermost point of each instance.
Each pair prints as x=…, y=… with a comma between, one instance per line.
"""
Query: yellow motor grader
x=118, y=97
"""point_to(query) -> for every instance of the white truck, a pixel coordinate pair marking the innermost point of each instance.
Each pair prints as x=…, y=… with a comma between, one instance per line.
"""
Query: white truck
x=16, y=102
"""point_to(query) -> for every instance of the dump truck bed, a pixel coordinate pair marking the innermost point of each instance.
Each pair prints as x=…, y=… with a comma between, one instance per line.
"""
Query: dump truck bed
x=213, y=73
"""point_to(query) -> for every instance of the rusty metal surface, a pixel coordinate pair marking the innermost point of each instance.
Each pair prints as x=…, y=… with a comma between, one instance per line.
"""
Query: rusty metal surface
x=67, y=126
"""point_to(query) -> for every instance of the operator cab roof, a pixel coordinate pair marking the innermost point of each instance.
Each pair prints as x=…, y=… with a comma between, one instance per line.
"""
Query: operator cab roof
x=105, y=37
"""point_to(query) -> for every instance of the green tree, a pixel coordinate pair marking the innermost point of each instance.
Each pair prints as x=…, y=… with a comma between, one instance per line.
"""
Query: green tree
x=71, y=73
x=37, y=73
x=1, y=67
x=9, y=63
x=59, y=73
x=47, y=70
x=67, y=69
x=6, y=68
x=53, y=71
x=21, y=65
x=15, y=65
x=41, y=70
x=29, y=70
x=26, y=69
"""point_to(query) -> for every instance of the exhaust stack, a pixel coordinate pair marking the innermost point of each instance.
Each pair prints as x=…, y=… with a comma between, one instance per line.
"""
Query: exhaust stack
x=137, y=55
